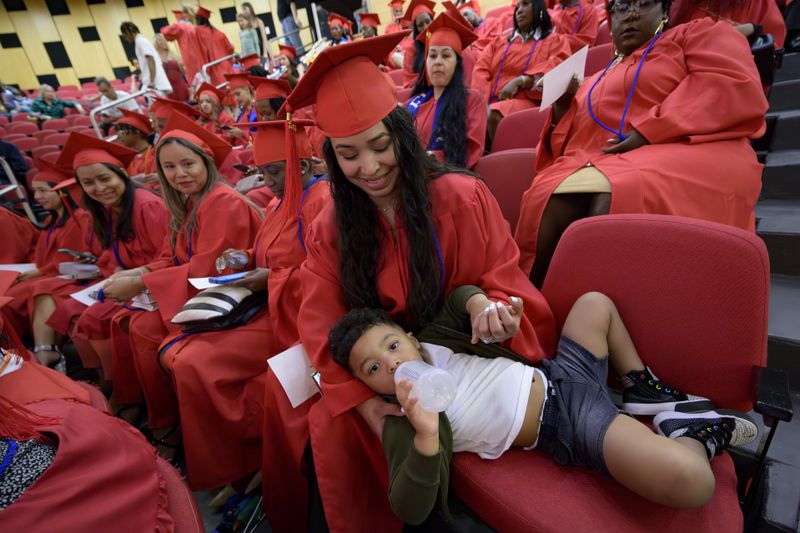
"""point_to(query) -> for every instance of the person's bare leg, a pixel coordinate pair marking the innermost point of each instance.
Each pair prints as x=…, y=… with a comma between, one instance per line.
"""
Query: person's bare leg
x=561, y=211
x=600, y=204
x=491, y=125
x=44, y=306
x=672, y=472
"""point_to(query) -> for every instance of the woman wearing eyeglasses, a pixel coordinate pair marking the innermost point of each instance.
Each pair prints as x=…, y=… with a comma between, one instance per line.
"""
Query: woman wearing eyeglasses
x=650, y=133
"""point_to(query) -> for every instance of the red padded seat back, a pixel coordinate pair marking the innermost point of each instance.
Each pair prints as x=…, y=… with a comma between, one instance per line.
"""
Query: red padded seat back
x=508, y=174
x=520, y=130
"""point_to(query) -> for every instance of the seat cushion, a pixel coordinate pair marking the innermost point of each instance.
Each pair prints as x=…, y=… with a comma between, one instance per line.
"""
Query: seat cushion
x=528, y=491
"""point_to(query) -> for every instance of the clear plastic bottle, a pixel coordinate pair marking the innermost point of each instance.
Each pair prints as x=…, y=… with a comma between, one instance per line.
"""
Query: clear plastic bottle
x=435, y=388
x=236, y=260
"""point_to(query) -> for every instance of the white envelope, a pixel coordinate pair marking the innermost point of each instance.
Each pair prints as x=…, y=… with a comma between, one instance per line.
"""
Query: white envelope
x=293, y=369
x=19, y=267
x=556, y=81
x=83, y=295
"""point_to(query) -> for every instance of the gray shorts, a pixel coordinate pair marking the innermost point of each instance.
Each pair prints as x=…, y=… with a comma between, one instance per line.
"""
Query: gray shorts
x=579, y=408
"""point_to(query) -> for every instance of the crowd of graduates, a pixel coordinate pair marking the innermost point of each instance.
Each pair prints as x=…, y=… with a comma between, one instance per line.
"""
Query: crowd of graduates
x=335, y=180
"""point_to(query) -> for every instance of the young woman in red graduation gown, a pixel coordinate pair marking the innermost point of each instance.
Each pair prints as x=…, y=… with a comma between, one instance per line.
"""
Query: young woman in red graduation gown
x=418, y=16
x=578, y=20
x=134, y=131
x=450, y=118
x=676, y=148
x=212, y=44
x=219, y=376
x=65, y=227
x=747, y=16
x=215, y=119
x=208, y=217
x=403, y=231
x=184, y=33
x=512, y=63
x=20, y=235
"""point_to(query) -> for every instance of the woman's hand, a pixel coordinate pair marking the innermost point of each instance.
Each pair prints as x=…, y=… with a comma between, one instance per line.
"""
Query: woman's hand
x=256, y=280
x=493, y=321
x=30, y=274
x=374, y=410
x=561, y=106
x=139, y=271
x=511, y=88
x=425, y=423
x=122, y=289
x=633, y=141
x=235, y=132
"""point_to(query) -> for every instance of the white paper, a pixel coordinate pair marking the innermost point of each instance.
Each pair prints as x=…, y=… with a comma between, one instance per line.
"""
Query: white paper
x=556, y=81
x=83, y=295
x=293, y=369
x=203, y=283
x=20, y=267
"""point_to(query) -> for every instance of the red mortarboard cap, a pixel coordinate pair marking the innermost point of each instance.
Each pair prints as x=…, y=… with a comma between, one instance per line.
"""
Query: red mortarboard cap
x=163, y=108
x=455, y=12
x=267, y=88
x=178, y=14
x=269, y=142
x=136, y=120
x=351, y=92
x=370, y=19
x=288, y=51
x=81, y=149
x=202, y=12
x=185, y=128
x=207, y=88
x=238, y=79
x=335, y=18
x=469, y=4
x=251, y=60
x=447, y=31
x=49, y=173
x=417, y=8
x=396, y=3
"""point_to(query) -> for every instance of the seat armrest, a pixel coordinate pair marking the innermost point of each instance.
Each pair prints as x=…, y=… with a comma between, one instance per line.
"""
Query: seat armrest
x=772, y=394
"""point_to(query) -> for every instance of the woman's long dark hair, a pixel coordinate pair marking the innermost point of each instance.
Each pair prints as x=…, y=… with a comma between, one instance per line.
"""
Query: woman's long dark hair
x=541, y=19
x=360, y=236
x=419, y=48
x=60, y=221
x=123, y=229
x=452, y=125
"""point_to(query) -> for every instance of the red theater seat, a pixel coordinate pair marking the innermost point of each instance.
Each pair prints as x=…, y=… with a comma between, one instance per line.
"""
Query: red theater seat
x=26, y=144
x=598, y=58
x=520, y=130
x=694, y=296
x=28, y=128
x=181, y=504
x=41, y=135
x=508, y=174
x=603, y=34
x=11, y=137
x=57, y=139
x=397, y=77
x=55, y=124
x=20, y=117
x=39, y=151
x=75, y=120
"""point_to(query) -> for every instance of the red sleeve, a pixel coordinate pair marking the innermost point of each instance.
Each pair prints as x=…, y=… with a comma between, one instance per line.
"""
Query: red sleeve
x=172, y=32
x=152, y=227
x=719, y=62
x=482, y=75
x=476, y=127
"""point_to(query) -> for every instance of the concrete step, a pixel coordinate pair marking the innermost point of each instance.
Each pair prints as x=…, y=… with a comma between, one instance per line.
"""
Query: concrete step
x=783, y=96
x=778, y=224
x=783, y=346
x=790, y=70
x=786, y=131
x=781, y=176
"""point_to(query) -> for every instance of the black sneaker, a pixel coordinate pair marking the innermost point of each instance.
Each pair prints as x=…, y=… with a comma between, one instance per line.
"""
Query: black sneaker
x=716, y=430
x=643, y=394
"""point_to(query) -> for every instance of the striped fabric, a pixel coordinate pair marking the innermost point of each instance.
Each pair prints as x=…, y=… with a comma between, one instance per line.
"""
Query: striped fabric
x=211, y=303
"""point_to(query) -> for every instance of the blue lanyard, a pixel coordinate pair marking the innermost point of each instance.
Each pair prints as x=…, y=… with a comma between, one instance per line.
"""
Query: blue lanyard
x=580, y=16
x=503, y=61
x=114, y=242
x=9, y=455
x=434, y=143
x=300, y=208
x=618, y=132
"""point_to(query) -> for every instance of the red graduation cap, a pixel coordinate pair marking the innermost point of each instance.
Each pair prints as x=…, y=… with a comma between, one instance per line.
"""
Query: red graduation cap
x=251, y=60
x=213, y=92
x=136, y=120
x=469, y=4
x=238, y=79
x=269, y=140
x=417, y=8
x=185, y=128
x=455, y=12
x=335, y=18
x=396, y=3
x=202, y=12
x=288, y=51
x=81, y=150
x=370, y=19
x=267, y=88
x=164, y=107
x=447, y=31
x=351, y=92
x=178, y=14
x=50, y=173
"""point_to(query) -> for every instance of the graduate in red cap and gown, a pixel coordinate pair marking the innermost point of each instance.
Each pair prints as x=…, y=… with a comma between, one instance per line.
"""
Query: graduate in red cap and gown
x=397, y=17
x=184, y=33
x=20, y=238
x=242, y=92
x=134, y=131
x=65, y=227
x=403, y=231
x=511, y=64
x=621, y=148
x=749, y=17
x=337, y=25
x=578, y=20
x=418, y=16
x=450, y=118
x=370, y=22
x=208, y=217
x=216, y=119
x=219, y=377
x=213, y=45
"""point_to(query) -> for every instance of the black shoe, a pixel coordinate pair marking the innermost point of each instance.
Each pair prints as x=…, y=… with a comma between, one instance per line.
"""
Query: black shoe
x=645, y=395
x=716, y=430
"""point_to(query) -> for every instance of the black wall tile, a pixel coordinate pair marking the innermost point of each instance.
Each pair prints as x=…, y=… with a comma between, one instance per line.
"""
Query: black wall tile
x=269, y=22
x=49, y=79
x=58, y=54
x=57, y=7
x=130, y=50
x=158, y=24
x=228, y=14
x=89, y=34
x=134, y=3
x=14, y=5
x=93, y=2
x=121, y=72
x=10, y=40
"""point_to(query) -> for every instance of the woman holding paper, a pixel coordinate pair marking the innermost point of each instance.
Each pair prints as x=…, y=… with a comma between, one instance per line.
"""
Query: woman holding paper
x=509, y=67
x=208, y=217
x=128, y=226
x=649, y=134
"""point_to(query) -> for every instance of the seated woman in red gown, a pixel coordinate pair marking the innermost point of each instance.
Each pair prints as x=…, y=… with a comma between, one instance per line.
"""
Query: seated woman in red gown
x=269, y=97
x=750, y=17
x=134, y=131
x=450, y=118
x=216, y=119
x=510, y=65
x=578, y=20
x=65, y=227
x=208, y=217
x=402, y=232
x=649, y=134
x=418, y=16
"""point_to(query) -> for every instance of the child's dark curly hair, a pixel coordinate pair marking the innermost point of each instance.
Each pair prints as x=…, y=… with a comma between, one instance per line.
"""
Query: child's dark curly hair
x=346, y=332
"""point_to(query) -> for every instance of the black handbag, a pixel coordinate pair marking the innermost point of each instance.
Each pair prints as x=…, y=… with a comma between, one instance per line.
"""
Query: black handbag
x=763, y=49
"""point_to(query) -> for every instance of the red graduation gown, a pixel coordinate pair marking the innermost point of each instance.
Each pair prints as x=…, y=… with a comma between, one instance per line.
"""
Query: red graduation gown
x=214, y=44
x=578, y=22
x=477, y=248
x=20, y=238
x=261, y=196
x=489, y=79
x=409, y=54
x=475, y=123
x=763, y=12
x=188, y=44
x=219, y=376
x=224, y=220
x=677, y=107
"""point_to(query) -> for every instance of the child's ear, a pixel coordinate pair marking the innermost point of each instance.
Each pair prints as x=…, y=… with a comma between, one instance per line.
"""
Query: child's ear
x=413, y=340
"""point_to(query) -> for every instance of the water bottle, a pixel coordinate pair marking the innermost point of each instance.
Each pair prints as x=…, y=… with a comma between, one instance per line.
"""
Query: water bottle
x=236, y=260
x=435, y=388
